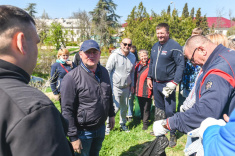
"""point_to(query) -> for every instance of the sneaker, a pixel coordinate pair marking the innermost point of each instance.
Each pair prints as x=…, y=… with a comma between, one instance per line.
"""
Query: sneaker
x=129, y=118
x=173, y=140
x=124, y=128
x=107, y=131
x=151, y=133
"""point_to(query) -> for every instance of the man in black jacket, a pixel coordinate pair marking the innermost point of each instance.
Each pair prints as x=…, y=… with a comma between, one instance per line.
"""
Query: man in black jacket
x=86, y=100
x=29, y=122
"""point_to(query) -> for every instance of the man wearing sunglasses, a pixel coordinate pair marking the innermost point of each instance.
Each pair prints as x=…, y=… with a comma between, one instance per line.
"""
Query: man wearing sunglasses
x=215, y=92
x=121, y=67
x=165, y=72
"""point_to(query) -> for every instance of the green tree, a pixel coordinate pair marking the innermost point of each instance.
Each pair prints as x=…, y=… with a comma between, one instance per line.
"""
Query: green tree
x=45, y=15
x=84, y=23
x=204, y=25
x=42, y=29
x=231, y=31
x=198, y=18
x=212, y=30
x=140, y=28
x=55, y=36
x=192, y=13
x=31, y=9
x=185, y=13
x=104, y=20
x=169, y=10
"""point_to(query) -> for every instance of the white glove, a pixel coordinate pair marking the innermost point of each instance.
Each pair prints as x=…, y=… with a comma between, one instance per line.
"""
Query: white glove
x=204, y=125
x=196, y=146
x=182, y=109
x=209, y=122
x=166, y=92
x=158, y=128
x=171, y=86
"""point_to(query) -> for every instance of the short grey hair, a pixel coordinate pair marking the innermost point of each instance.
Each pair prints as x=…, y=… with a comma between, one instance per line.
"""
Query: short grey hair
x=143, y=51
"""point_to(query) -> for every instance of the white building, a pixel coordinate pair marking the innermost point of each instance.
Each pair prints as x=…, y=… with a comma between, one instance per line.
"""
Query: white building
x=70, y=26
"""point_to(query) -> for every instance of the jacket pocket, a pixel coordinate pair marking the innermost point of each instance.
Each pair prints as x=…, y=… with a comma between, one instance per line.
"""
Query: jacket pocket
x=81, y=117
x=161, y=74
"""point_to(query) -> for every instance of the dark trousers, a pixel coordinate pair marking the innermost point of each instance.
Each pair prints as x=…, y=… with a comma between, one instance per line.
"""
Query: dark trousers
x=145, y=106
x=181, y=100
x=166, y=104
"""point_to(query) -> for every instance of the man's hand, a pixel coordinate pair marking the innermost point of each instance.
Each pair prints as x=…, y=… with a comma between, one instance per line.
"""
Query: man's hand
x=57, y=97
x=182, y=109
x=204, y=125
x=70, y=63
x=171, y=86
x=226, y=118
x=111, y=122
x=210, y=122
x=149, y=83
x=77, y=146
x=196, y=146
x=158, y=128
x=166, y=92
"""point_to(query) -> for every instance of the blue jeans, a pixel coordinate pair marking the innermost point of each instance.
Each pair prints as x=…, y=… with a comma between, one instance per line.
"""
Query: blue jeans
x=91, y=141
x=130, y=105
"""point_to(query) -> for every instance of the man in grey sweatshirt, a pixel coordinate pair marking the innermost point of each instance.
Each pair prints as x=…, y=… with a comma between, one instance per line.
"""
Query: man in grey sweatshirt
x=121, y=68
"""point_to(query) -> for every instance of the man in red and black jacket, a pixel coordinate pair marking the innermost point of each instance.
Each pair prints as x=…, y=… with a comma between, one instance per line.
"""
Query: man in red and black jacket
x=215, y=92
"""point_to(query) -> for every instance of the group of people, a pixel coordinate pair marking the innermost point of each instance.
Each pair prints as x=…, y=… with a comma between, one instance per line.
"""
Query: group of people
x=213, y=95
x=91, y=94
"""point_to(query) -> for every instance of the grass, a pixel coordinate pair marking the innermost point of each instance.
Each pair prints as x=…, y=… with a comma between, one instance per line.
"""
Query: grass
x=132, y=144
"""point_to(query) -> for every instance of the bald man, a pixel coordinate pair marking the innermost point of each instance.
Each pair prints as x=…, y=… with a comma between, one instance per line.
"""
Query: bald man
x=215, y=92
x=121, y=68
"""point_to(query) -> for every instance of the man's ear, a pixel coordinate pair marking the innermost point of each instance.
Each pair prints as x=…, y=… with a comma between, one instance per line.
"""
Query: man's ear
x=203, y=51
x=80, y=54
x=20, y=42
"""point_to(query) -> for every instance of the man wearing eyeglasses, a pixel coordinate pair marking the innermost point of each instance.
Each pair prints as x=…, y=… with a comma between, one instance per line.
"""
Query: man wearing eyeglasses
x=86, y=101
x=165, y=72
x=121, y=67
x=215, y=92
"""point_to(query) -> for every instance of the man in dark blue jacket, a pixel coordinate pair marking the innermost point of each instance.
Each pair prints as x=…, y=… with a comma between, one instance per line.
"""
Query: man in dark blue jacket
x=86, y=100
x=215, y=92
x=165, y=72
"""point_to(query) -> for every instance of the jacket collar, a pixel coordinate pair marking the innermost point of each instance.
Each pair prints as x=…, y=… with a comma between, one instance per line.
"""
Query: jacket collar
x=9, y=70
x=213, y=55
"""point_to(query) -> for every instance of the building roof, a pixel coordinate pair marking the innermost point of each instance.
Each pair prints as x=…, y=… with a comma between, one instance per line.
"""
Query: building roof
x=220, y=22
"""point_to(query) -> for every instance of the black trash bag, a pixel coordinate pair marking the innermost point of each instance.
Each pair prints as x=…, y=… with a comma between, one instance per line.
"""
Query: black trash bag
x=156, y=147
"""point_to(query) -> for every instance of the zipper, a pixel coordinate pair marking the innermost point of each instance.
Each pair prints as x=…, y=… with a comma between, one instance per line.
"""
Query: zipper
x=159, y=50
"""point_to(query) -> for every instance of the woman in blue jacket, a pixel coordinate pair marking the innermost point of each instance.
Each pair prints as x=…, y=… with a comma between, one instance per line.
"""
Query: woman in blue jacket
x=59, y=69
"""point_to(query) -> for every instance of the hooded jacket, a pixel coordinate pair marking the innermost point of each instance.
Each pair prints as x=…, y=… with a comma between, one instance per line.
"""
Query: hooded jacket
x=121, y=69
